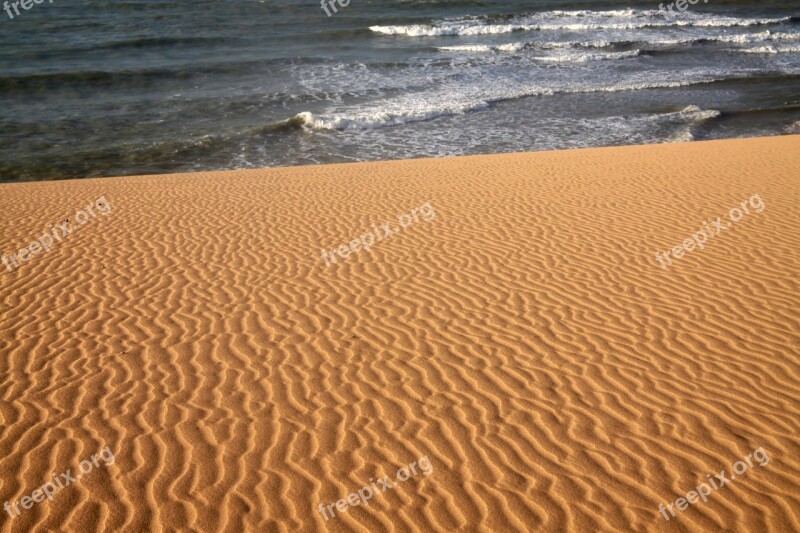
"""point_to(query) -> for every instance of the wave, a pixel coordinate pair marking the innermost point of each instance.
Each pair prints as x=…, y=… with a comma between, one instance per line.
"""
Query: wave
x=291, y=124
x=135, y=77
x=694, y=113
x=692, y=116
x=583, y=57
x=621, y=13
x=29, y=83
x=510, y=47
x=565, y=20
x=380, y=118
x=425, y=30
x=753, y=37
x=542, y=45
x=761, y=37
x=768, y=49
x=159, y=42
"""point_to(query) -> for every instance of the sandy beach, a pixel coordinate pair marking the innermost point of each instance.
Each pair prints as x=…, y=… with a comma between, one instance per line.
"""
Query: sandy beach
x=518, y=341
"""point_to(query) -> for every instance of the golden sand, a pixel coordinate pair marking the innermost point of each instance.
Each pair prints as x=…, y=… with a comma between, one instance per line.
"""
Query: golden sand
x=525, y=340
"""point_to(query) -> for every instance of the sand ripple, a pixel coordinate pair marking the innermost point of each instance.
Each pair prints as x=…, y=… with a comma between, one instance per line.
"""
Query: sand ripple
x=526, y=340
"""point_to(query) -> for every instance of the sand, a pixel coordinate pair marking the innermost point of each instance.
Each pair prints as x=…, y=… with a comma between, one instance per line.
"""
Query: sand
x=525, y=340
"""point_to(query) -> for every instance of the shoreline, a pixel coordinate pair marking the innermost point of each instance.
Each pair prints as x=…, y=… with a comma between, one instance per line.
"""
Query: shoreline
x=249, y=171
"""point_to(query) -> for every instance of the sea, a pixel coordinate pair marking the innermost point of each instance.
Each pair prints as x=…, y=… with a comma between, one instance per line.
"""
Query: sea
x=109, y=88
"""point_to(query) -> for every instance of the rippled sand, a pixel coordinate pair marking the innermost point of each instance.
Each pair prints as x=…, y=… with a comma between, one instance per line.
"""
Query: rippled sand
x=525, y=340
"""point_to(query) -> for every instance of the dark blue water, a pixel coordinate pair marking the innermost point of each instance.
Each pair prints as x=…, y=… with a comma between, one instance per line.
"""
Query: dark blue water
x=135, y=87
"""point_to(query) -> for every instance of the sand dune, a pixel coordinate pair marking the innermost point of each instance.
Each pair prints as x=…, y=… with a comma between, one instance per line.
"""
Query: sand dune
x=525, y=340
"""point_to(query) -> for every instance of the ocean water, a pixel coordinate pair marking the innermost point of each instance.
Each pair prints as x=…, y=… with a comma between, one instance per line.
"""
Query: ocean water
x=101, y=88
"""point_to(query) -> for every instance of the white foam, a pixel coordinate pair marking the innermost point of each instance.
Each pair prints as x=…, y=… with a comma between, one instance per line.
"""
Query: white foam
x=770, y=49
x=583, y=57
x=409, y=110
x=682, y=136
x=627, y=19
x=581, y=52
x=419, y=30
x=695, y=113
x=729, y=22
x=516, y=47
x=757, y=37
x=379, y=119
x=745, y=38
x=621, y=13
x=468, y=48
x=483, y=48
